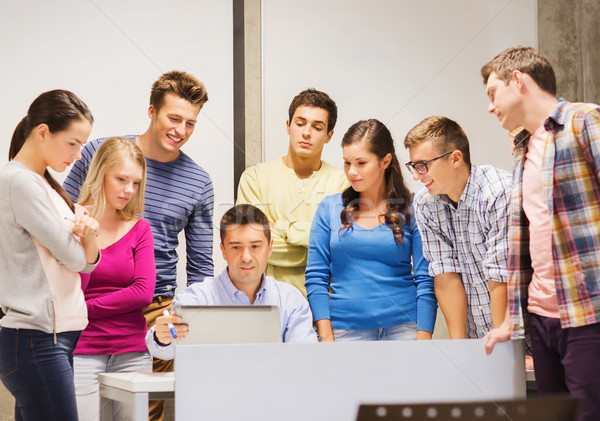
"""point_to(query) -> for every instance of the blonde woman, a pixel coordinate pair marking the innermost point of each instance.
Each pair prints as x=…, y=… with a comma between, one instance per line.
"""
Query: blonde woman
x=123, y=283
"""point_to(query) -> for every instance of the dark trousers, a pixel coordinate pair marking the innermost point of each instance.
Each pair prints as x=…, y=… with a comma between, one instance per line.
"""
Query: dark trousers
x=567, y=361
x=39, y=373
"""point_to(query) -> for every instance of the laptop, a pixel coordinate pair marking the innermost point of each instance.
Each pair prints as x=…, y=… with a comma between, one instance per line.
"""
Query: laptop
x=546, y=408
x=230, y=324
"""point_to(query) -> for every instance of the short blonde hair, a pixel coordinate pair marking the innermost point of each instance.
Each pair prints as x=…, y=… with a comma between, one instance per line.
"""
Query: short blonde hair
x=111, y=154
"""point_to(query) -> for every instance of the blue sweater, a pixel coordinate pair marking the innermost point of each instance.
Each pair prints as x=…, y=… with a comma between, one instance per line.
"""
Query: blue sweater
x=179, y=196
x=370, y=275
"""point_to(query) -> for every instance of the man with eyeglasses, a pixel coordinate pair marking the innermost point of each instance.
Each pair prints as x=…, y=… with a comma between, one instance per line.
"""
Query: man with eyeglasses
x=462, y=214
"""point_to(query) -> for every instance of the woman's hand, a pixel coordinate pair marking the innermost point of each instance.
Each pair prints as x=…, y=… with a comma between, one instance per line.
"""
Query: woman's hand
x=86, y=228
x=325, y=331
x=83, y=224
x=423, y=335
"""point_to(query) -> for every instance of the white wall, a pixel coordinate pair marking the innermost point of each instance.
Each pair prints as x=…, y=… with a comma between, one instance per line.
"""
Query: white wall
x=109, y=53
x=395, y=60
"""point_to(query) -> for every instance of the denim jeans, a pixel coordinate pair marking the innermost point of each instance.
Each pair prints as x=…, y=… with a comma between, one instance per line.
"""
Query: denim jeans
x=87, y=368
x=404, y=332
x=39, y=373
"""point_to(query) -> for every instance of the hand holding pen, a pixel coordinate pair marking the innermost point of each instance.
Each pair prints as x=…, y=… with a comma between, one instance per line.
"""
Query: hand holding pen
x=170, y=325
x=168, y=328
x=83, y=224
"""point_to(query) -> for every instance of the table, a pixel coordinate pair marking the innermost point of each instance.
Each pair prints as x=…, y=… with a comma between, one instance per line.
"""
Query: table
x=271, y=382
x=135, y=389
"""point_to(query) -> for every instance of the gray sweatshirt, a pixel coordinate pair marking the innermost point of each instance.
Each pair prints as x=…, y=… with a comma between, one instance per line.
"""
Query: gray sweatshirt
x=40, y=258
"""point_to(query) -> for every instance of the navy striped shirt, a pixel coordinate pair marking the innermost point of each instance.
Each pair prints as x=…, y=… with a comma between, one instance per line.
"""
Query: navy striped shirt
x=179, y=196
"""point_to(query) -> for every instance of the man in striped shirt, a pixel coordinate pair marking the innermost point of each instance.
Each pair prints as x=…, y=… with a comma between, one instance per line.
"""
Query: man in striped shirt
x=462, y=214
x=179, y=193
x=554, y=259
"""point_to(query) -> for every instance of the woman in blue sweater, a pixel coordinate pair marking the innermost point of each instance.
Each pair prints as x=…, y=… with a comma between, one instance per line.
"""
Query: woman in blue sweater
x=365, y=246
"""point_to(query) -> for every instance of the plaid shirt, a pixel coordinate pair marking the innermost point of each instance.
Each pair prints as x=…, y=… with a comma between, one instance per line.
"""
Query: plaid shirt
x=471, y=239
x=571, y=183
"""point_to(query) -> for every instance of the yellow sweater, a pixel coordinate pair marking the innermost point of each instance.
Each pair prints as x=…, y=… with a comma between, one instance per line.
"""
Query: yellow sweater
x=290, y=207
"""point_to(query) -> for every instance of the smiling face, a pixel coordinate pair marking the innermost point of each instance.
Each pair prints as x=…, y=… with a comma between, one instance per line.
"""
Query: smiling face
x=122, y=184
x=504, y=101
x=308, y=131
x=441, y=174
x=365, y=172
x=62, y=148
x=246, y=250
x=172, y=125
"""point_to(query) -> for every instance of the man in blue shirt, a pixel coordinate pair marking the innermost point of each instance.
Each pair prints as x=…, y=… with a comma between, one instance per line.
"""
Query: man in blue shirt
x=179, y=193
x=246, y=245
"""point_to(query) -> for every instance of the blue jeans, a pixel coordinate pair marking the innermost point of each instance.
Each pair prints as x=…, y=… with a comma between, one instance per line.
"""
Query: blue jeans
x=39, y=373
x=394, y=333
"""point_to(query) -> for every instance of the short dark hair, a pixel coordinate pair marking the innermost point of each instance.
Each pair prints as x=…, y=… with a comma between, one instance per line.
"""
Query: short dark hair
x=313, y=98
x=525, y=59
x=244, y=215
x=181, y=84
x=444, y=133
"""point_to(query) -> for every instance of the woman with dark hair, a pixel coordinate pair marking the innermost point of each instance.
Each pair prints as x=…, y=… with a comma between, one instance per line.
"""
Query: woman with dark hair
x=46, y=240
x=365, y=247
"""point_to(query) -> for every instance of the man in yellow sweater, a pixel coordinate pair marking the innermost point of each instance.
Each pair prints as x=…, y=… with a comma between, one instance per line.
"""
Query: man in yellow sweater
x=289, y=189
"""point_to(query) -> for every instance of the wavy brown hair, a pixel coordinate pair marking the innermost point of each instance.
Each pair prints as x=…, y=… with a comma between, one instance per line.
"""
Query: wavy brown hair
x=378, y=140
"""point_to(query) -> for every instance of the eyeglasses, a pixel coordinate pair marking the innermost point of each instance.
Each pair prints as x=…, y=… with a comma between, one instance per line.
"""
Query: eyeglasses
x=421, y=167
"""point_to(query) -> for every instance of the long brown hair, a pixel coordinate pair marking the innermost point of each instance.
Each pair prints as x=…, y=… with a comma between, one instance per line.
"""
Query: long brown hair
x=57, y=109
x=378, y=140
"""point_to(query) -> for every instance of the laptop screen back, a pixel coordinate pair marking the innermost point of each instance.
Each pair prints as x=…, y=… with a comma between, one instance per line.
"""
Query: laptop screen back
x=230, y=324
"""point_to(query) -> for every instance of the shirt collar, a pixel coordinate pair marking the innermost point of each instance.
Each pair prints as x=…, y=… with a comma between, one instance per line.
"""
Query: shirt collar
x=232, y=290
x=465, y=197
x=557, y=117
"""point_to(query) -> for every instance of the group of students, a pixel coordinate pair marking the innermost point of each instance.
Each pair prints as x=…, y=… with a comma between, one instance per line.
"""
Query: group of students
x=502, y=255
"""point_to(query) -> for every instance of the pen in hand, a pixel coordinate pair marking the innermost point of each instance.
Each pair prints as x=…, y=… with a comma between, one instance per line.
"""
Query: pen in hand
x=170, y=325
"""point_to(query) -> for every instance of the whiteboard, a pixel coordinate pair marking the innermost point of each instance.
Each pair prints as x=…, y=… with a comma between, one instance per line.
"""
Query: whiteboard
x=395, y=60
x=109, y=53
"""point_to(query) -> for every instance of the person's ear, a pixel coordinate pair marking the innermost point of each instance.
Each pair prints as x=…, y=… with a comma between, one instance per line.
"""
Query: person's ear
x=387, y=160
x=519, y=78
x=329, y=136
x=151, y=112
x=42, y=131
x=456, y=157
x=223, y=251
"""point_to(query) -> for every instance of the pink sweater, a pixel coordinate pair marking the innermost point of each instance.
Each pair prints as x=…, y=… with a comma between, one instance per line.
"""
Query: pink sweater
x=116, y=294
